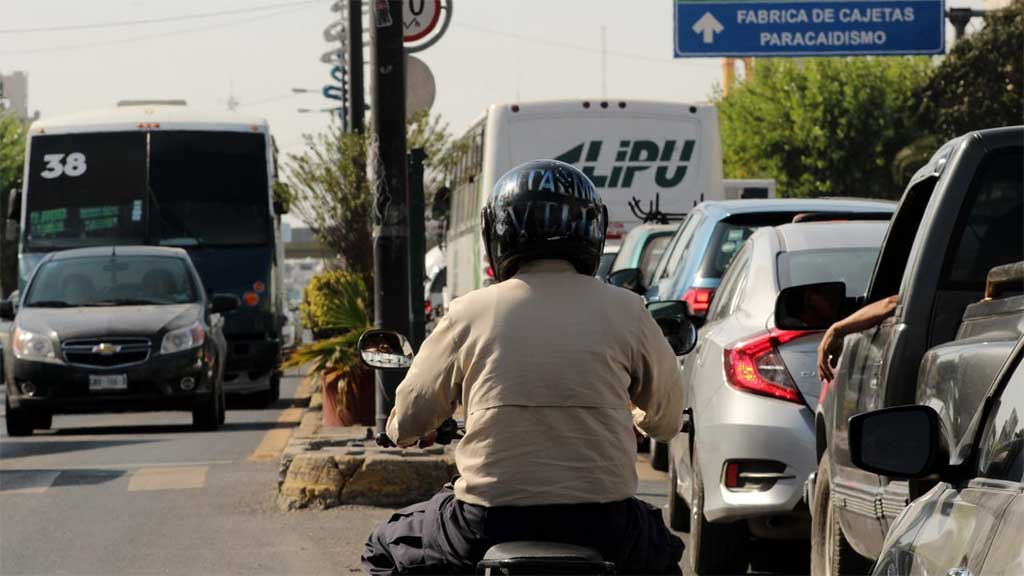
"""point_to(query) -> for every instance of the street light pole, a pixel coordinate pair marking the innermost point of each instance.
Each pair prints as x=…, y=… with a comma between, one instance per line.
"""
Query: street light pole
x=356, y=103
x=388, y=176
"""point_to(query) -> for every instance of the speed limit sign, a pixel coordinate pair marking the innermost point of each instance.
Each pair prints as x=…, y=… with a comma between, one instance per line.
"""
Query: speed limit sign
x=419, y=18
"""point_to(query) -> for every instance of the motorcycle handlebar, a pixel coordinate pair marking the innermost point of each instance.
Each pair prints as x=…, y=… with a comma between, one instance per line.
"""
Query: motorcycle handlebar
x=449, y=430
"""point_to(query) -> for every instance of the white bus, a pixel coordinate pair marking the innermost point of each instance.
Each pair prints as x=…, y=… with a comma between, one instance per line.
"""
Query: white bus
x=162, y=173
x=668, y=151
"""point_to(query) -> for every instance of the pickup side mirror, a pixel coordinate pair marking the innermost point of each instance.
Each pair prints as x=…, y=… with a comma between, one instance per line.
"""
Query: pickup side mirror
x=385, y=350
x=7, y=311
x=811, y=306
x=221, y=303
x=673, y=319
x=628, y=278
x=902, y=442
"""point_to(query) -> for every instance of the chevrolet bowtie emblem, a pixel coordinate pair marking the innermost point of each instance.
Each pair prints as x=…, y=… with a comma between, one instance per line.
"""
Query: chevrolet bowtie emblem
x=106, y=349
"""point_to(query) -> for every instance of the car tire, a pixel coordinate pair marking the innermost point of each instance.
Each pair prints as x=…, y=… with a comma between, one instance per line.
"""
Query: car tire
x=659, y=456
x=204, y=415
x=715, y=548
x=42, y=420
x=831, y=553
x=222, y=408
x=19, y=421
x=273, y=393
x=678, y=511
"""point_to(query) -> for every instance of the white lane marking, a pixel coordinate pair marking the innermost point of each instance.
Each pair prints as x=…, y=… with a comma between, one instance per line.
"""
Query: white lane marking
x=127, y=466
x=168, y=478
x=27, y=481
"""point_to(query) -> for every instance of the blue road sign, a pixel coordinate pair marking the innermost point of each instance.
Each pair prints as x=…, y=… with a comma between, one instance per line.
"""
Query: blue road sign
x=809, y=28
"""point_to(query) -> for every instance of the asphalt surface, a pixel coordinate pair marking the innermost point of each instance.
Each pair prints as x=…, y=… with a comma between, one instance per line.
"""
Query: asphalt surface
x=144, y=494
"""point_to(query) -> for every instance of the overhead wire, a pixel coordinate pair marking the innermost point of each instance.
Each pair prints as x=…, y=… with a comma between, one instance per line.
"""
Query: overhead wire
x=121, y=23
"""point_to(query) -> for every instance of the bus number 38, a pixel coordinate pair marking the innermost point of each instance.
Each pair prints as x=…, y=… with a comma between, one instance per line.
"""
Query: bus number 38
x=73, y=166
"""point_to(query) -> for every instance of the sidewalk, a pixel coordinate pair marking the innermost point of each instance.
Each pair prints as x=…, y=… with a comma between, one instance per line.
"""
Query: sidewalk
x=322, y=467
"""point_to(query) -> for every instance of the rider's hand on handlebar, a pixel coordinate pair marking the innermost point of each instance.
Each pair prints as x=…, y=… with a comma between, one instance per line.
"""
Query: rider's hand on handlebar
x=428, y=439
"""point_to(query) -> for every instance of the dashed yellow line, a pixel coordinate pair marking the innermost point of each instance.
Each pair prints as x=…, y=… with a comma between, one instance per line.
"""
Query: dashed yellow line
x=275, y=440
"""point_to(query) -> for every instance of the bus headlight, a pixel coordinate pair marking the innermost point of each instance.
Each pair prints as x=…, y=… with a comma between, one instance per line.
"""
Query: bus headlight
x=32, y=346
x=183, y=339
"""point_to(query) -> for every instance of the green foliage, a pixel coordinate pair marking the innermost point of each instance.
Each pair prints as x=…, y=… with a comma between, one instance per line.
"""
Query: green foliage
x=332, y=196
x=335, y=300
x=979, y=84
x=283, y=196
x=822, y=126
x=12, y=152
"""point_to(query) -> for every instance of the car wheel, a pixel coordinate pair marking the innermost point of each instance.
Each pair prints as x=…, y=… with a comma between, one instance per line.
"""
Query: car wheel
x=831, y=553
x=678, y=511
x=273, y=393
x=715, y=548
x=42, y=420
x=204, y=415
x=659, y=456
x=221, y=408
x=19, y=421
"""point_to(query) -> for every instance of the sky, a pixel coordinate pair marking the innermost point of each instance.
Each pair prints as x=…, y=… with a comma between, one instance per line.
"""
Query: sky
x=494, y=51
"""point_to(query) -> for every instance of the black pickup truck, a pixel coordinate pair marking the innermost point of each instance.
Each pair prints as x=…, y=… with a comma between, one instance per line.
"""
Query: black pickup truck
x=961, y=216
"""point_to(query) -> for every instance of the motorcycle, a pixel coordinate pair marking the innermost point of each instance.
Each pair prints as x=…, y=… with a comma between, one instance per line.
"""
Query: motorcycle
x=389, y=350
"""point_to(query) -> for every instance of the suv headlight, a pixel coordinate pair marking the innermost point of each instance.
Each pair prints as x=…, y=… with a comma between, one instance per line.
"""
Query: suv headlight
x=183, y=339
x=32, y=346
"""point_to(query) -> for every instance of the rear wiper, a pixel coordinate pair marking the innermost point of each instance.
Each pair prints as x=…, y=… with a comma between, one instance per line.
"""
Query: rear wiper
x=49, y=304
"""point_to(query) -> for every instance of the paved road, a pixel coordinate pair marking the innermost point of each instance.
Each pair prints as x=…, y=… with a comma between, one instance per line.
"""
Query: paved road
x=144, y=494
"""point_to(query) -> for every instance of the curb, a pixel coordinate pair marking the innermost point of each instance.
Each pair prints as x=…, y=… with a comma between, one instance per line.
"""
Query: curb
x=322, y=467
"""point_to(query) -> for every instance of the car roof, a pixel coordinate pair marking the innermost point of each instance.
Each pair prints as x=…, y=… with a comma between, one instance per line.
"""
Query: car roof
x=724, y=208
x=119, y=251
x=826, y=235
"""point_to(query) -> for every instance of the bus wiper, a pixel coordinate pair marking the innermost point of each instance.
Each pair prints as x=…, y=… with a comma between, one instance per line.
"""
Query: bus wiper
x=49, y=304
x=196, y=240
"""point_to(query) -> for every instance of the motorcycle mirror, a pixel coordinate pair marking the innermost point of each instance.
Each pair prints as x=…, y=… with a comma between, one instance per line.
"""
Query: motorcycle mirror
x=385, y=350
x=674, y=320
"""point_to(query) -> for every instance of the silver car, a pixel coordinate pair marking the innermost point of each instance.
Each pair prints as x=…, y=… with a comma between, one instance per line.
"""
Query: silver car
x=750, y=392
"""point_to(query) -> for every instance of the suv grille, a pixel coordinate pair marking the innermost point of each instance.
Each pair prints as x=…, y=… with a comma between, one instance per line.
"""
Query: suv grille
x=106, y=352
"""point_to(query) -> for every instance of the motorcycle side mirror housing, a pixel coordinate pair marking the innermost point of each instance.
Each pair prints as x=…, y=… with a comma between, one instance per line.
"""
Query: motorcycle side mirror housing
x=674, y=320
x=385, y=350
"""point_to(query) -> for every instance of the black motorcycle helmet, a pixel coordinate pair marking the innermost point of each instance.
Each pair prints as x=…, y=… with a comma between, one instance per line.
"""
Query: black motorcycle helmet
x=544, y=209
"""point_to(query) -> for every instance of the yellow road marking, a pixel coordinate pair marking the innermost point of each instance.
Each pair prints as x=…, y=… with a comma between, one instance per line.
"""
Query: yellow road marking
x=168, y=478
x=275, y=440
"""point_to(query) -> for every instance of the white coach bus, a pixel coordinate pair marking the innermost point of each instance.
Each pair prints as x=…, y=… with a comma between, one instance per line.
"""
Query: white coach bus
x=665, y=151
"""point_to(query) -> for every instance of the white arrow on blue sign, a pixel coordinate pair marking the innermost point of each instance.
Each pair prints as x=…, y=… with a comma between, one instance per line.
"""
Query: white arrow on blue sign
x=809, y=27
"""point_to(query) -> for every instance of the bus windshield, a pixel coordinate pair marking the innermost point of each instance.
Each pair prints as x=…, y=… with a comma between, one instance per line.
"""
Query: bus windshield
x=85, y=189
x=209, y=188
x=191, y=188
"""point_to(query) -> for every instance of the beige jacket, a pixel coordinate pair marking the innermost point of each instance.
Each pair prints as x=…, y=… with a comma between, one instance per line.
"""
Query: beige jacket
x=546, y=364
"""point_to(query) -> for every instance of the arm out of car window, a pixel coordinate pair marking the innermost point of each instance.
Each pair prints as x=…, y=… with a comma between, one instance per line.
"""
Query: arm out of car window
x=656, y=384
x=832, y=342
x=430, y=390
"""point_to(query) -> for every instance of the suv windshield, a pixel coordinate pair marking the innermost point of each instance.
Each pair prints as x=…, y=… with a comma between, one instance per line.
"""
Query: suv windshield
x=730, y=234
x=111, y=281
x=209, y=188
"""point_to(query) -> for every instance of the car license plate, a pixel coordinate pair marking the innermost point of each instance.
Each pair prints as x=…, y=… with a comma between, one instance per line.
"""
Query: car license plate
x=102, y=383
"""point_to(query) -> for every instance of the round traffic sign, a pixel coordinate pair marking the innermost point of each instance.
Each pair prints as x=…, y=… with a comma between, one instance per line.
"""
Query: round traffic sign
x=419, y=18
x=420, y=88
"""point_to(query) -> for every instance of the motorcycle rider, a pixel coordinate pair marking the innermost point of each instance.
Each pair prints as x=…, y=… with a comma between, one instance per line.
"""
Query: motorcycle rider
x=546, y=363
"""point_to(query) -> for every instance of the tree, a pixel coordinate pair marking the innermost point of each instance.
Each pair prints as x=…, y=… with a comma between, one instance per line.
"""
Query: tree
x=330, y=193
x=12, y=158
x=979, y=84
x=822, y=126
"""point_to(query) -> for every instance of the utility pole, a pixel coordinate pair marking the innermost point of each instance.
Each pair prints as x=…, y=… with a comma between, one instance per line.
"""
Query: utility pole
x=356, y=103
x=388, y=177
x=960, y=17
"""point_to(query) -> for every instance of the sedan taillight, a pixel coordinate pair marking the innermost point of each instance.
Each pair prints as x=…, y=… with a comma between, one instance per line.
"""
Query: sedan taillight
x=699, y=299
x=756, y=366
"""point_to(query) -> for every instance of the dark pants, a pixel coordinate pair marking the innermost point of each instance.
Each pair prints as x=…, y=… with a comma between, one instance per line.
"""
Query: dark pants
x=446, y=536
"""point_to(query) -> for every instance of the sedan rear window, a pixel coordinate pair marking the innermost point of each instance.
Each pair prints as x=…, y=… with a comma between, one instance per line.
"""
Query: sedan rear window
x=111, y=281
x=850, y=265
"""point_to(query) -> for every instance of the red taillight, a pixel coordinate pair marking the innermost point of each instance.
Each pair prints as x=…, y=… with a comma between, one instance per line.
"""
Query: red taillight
x=756, y=366
x=698, y=299
x=427, y=308
x=732, y=475
x=490, y=272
